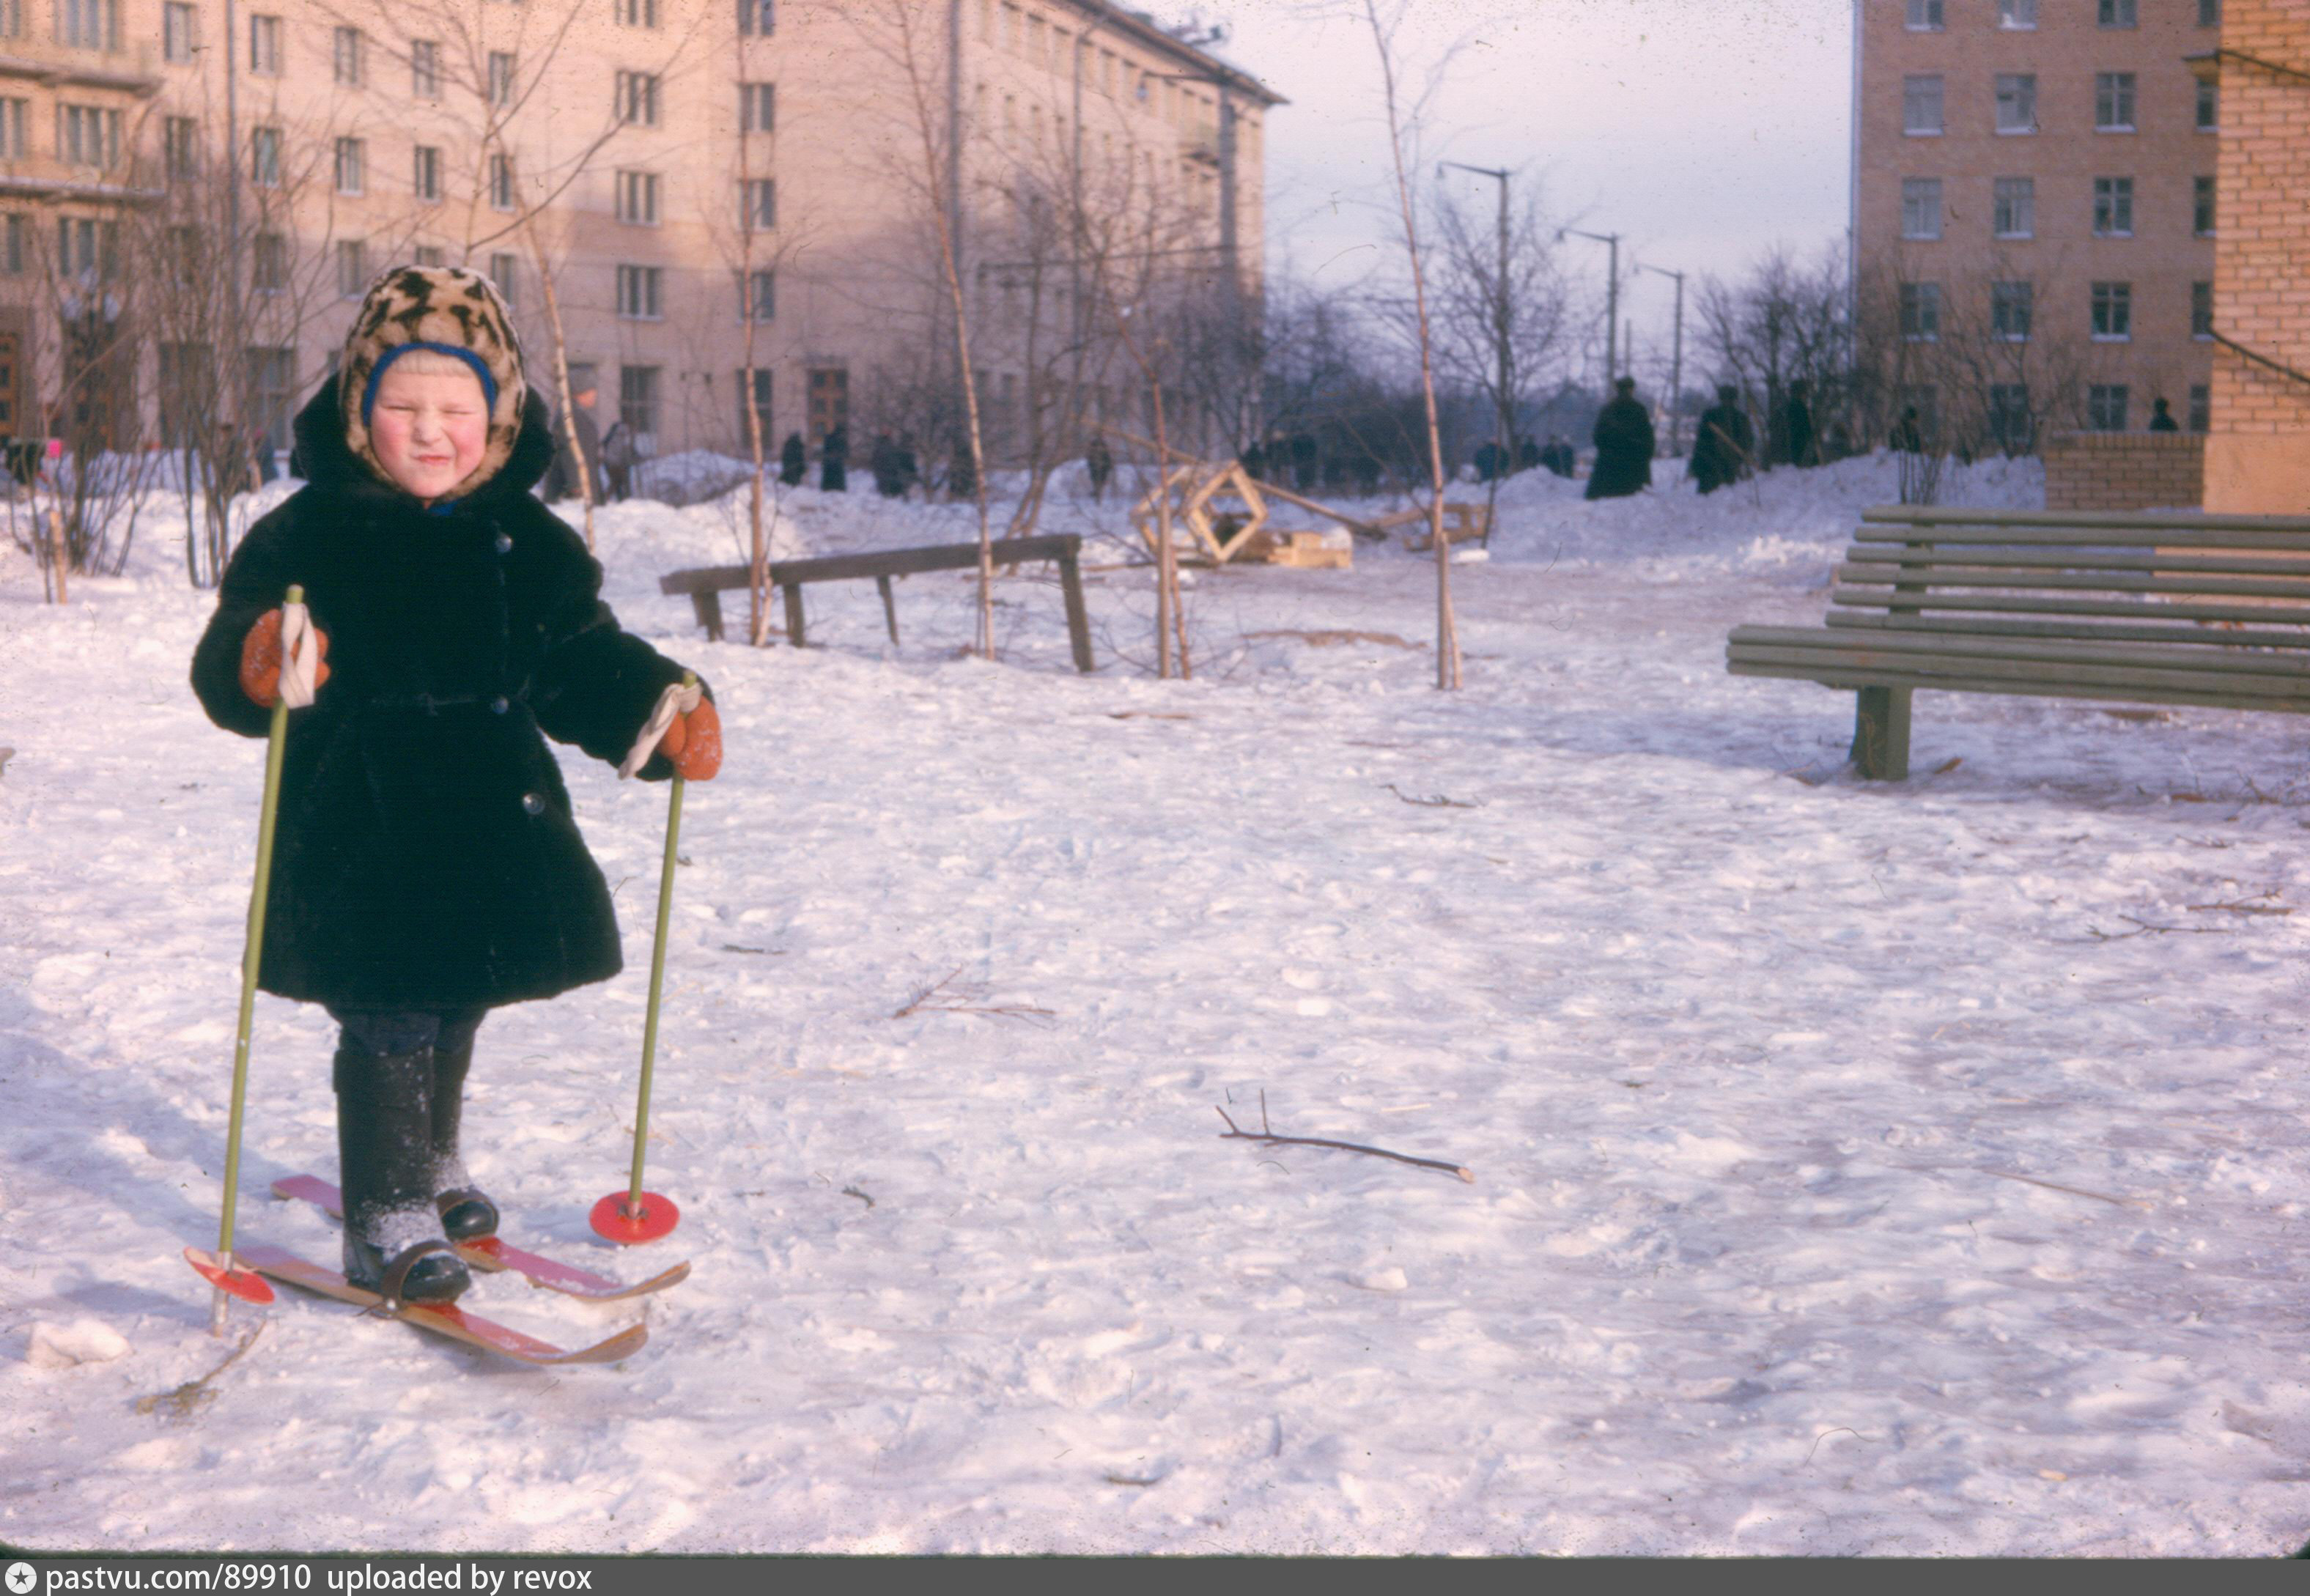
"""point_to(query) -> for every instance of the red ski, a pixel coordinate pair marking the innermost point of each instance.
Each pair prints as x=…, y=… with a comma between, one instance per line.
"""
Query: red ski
x=491, y=1253
x=445, y=1319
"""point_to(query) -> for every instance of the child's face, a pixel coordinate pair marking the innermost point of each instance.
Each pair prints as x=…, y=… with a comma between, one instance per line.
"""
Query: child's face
x=429, y=428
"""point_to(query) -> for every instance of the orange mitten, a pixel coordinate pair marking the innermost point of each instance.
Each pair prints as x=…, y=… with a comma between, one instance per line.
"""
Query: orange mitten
x=694, y=742
x=260, y=659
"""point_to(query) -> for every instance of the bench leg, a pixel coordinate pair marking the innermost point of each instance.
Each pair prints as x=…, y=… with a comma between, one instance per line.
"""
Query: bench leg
x=1078, y=620
x=708, y=607
x=889, y=606
x=1880, y=732
x=793, y=594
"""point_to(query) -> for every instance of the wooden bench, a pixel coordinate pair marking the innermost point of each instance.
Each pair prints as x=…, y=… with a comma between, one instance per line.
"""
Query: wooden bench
x=2146, y=608
x=707, y=585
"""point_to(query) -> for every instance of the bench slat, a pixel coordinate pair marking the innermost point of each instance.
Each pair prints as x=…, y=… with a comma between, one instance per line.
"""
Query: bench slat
x=1894, y=646
x=2101, y=538
x=2091, y=520
x=1906, y=556
x=1854, y=681
x=1857, y=575
x=2084, y=630
x=2267, y=614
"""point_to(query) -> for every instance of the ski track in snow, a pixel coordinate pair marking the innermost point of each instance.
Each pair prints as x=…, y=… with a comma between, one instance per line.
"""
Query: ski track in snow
x=1855, y=1173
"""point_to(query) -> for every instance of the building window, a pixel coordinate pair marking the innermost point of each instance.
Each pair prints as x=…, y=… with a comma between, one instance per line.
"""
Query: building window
x=2202, y=310
x=346, y=56
x=88, y=249
x=12, y=19
x=353, y=268
x=638, y=13
x=2017, y=102
x=758, y=203
x=1921, y=104
x=87, y=134
x=763, y=300
x=353, y=157
x=2017, y=13
x=638, y=198
x=264, y=45
x=180, y=148
x=505, y=271
x=637, y=99
x=1921, y=207
x=2202, y=208
x=265, y=157
x=268, y=263
x=757, y=18
x=637, y=293
x=425, y=176
x=2113, y=103
x=2116, y=13
x=2011, y=427
x=762, y=405
x=427, y=255
x=2113, y=212
x=2202, y=407
x=13, y=146
x=1921, y=311
x=501, y=182
x=180, y=255
x=2010, y=306
x=757, y=107
x=271, y=379
x=177, y=40
x=2105, y=407
x=2209, y=15
x=89, y=24
x=424, y=69
x=500, y=77
x=2210, y=108
x=638, y=404
x=2014, y=210
x=1924, y=15
x=2112, y=312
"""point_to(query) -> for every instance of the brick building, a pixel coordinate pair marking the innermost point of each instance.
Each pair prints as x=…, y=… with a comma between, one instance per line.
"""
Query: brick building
x=2034, y=204
x=683, y=165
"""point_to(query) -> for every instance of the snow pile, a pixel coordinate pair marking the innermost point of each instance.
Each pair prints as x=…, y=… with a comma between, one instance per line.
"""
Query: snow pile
x=72, y=1344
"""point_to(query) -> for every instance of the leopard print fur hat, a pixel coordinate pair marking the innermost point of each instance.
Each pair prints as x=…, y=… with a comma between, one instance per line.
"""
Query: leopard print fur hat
x=445, y=308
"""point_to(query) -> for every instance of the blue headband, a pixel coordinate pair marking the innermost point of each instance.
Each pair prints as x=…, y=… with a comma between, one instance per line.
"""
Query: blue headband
x=377, y=373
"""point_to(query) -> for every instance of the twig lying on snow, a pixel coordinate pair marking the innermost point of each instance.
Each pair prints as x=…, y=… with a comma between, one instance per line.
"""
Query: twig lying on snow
x=192, y=1395
x=1439, y=801
x=958, y=1002
x=2148, y=929
x=1269, y=1137
x=2247, y=908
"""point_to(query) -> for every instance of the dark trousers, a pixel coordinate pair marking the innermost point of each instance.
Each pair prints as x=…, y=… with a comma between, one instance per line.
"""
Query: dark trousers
x=400, y=1078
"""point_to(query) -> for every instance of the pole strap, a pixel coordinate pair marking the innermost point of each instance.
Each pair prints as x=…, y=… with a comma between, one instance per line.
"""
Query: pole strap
x=301, y=653
x=676, y=699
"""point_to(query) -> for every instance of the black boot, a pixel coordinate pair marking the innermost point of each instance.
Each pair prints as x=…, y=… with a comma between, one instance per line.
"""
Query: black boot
x=466, y=1212
x=385, y=1155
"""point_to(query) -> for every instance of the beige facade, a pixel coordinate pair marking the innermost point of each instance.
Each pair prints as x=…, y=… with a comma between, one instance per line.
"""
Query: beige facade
x=2258, y=458
x=675, y=161
x=2034, y=202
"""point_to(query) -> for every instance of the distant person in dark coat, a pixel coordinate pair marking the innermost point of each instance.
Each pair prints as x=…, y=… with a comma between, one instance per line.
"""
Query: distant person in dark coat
x=563, y=477
x=1303, y=462
x=2161, y=419
x=834, y=462
x=1908, y=437
x=617, y=459
x=1722, y=450
x=1528, y=453
x=1255, y=460
x=1098, y=462
x=882, y=460
x=962, y=477
x=1558, y=455
x=794, y=461
x=1796, y=426
x=1624, y=446
x=911, y=469
x=1368, y=473
x=1488, y=461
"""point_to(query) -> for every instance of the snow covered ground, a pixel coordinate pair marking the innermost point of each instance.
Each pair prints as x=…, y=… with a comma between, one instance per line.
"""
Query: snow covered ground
x=1902, y=1169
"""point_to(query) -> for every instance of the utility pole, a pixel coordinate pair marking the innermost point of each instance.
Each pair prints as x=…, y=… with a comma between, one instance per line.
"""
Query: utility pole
x=1676, y=366
x=1502, y=321
x=1612, y=297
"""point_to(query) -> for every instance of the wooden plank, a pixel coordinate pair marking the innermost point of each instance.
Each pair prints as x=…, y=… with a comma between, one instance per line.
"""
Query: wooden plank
x=1853, y=681
x=1939, y=516
x=886, y=562
x=1907, y=579
x=2053, y=679
x=2182, y=656
x=1928, y=554
x=2092, y=631
x=2103, y=537
x=1967, y=604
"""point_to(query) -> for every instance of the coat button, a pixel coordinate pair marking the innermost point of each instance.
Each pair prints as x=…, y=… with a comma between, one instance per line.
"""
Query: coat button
x=504, y=543
x=497, y=705
x=533, y=803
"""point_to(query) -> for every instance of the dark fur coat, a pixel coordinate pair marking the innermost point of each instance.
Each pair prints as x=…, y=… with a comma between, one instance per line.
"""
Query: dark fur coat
x=426, y=856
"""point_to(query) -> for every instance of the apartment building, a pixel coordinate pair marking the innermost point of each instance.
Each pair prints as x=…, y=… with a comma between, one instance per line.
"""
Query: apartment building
x=693, y=171
x=2035, y=209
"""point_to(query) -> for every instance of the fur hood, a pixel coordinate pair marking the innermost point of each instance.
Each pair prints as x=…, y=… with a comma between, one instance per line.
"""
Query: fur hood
x=450, y=308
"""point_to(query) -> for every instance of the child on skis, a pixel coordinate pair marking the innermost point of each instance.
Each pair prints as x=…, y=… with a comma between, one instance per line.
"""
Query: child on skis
x=427, y=868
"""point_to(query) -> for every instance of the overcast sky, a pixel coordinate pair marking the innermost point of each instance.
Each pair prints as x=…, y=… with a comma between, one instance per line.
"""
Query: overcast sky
x=1702, y=131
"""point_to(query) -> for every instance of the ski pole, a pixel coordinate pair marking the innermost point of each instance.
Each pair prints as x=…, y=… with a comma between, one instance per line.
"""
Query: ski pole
x=634, y=1215
x=297, y=654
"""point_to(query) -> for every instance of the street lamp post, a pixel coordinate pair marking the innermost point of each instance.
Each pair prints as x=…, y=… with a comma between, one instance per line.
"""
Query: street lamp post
x=1676, y=365
x=1501, y=320
x=1612, y=297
